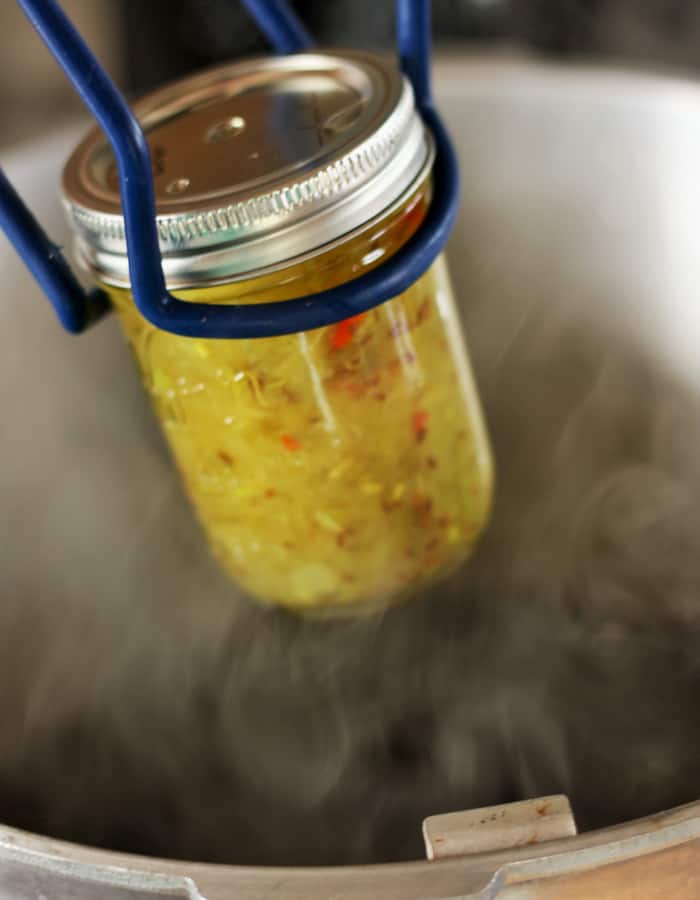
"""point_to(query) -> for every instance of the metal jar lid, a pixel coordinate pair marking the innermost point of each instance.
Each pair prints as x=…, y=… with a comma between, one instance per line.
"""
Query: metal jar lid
x=255, y=164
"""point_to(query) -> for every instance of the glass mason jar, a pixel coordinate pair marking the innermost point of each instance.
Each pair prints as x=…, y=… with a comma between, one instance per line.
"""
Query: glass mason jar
x=334, y=470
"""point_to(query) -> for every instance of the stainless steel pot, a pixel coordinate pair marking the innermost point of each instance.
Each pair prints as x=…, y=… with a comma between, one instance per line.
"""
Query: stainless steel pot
x=584, y=181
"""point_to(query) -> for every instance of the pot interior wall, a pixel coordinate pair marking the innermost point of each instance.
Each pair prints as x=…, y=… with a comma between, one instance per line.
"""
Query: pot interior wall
x=147, y=707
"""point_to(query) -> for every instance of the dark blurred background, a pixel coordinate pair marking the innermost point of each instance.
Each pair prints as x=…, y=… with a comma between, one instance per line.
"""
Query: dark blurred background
x=173, y=37
x=144, y=42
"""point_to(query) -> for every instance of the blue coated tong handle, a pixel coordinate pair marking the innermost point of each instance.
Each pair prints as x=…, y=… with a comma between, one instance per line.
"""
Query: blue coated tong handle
x=77, y=308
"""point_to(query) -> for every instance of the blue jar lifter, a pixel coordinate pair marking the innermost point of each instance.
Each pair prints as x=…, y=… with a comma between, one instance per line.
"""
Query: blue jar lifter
x=77, y=309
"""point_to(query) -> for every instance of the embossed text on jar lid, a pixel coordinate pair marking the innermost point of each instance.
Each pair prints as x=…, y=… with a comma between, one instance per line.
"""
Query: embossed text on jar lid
x=256, y=163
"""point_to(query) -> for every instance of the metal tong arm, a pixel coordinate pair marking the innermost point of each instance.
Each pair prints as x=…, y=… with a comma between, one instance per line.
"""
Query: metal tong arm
x=77, y=308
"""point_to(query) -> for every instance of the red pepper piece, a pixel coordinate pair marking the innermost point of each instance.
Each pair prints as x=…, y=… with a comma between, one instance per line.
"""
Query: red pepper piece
x=289, y=442
x=344, y=331
x=419, y=423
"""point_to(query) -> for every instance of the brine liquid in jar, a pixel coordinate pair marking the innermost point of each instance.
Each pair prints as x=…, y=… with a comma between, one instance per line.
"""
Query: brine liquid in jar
x=336, y=470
